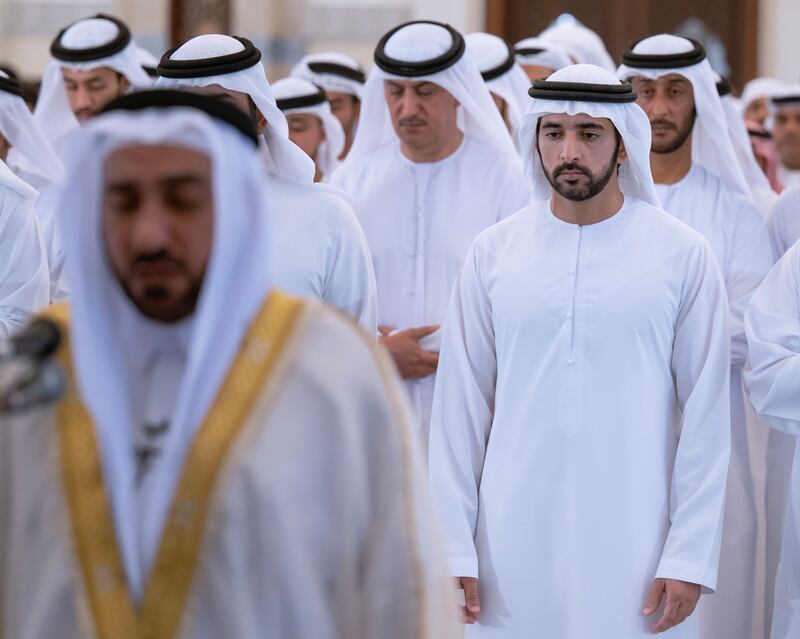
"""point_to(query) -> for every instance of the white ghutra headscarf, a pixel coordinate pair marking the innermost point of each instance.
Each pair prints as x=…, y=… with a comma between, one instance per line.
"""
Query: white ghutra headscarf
x=297, y=96
x=416, y=43
x=635, y=178
x=711, y=144
x=103, y=320
x=100, y=41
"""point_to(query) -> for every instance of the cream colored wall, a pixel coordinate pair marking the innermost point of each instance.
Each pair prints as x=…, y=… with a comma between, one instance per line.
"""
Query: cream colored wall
x=779, y=46
x=285, y=29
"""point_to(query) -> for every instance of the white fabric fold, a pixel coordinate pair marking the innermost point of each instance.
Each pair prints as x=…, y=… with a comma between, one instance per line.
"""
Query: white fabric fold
x=582, y=44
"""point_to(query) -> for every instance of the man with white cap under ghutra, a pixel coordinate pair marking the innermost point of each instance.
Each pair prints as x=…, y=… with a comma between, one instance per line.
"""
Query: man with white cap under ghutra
x=504, y=78
x=342, y=79
x=700, y=181
x=312, y=125
x=431, y=167
x=319, y=249
x=226, y=461
x=580, y=431
x=93, y=61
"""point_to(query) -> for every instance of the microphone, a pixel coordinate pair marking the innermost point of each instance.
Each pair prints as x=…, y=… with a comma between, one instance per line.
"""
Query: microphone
x=29, y=376
x=38, y=340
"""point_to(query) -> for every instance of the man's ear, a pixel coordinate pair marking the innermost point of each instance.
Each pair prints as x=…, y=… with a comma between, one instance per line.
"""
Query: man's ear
x=261, y=123
x=124, y=84
x=622, y=154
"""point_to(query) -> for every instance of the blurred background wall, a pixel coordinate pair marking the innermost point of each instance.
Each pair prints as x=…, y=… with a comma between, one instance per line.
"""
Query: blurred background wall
x=744, y=37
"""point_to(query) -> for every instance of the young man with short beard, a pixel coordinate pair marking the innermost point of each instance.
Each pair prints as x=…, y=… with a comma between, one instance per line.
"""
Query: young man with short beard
x=699, y=181
x=584, y=368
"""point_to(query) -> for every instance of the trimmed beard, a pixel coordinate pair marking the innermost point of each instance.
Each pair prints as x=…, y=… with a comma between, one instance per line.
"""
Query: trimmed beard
x=680, y=137
x=581, y=193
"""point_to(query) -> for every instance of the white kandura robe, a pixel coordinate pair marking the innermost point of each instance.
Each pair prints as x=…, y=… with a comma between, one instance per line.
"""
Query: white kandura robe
x=738, y=236
x=788, y=177
x=420, y=219
x=773, y=382
x=784, y=220
x=320, y=252
x=580, y=432
x=24, y=277
x=319, y=525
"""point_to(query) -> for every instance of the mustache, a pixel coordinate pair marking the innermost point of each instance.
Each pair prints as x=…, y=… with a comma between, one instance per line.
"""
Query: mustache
x=411, y=121
x=157, y=257
x=665, y=123
x=570, y=166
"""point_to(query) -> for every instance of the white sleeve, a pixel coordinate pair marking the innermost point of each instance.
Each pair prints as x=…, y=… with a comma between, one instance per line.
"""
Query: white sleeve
x=773, y=334
x=749, y=262
x=463, y=407
x=24, y=276
x=700, y=365
x=350, y=283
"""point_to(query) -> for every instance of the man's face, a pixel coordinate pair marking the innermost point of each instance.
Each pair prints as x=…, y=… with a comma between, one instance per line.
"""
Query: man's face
x=307, y=132
x=756, y=111
x=669, y=104
x=158, y=223
x=240, y=100
x=579, y=154
x=423, y=114
x=786, y=131
x=346, y=108
x=535, y=72
x=90, y=90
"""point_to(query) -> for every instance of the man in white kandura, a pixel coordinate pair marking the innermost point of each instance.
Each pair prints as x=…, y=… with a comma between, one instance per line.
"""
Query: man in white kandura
x=580, y=434
x=28, y=153
x=757, y=182
x=773, y=382
x=94, y=60
x=312, y=125
x=539, y=58
x=504, y=77
x=319, y=249
x=699, y=181
x=342, y=79
x=784, y=220
x=226, y=461
x=786, y=131
x=432, y=166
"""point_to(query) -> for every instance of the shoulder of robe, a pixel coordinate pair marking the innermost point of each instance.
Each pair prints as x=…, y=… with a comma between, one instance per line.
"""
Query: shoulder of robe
x=669, y=230
x=311, y=199
x=13, y=189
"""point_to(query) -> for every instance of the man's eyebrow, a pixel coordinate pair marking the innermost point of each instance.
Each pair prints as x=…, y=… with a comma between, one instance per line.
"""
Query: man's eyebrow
x=119, y=187
x=552, y=125
x=182, y=179
x=589, y=125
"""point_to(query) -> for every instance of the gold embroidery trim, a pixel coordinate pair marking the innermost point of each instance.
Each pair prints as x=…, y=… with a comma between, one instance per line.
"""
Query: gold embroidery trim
x=168, y=586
